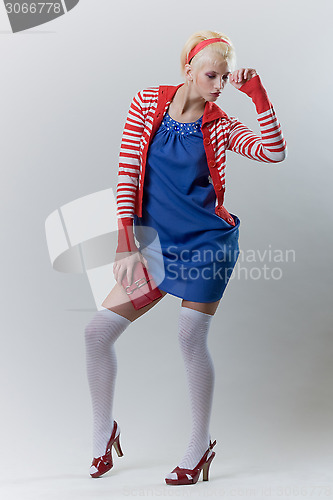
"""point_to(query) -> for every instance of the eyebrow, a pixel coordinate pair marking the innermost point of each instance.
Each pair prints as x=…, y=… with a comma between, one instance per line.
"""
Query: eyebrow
x=227, y=73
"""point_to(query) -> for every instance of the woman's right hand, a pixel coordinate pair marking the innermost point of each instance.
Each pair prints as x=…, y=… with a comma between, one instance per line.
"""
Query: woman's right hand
x=125, y=263
x=240, y=76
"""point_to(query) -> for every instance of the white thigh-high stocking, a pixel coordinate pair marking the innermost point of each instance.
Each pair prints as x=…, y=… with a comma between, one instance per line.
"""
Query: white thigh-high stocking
x=193, y=332
x=100, y=335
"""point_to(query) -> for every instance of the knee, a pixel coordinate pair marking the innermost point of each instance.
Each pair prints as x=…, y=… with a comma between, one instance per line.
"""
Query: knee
x=97, y=330
x=91, y=332
x=104, y=328
x=193, y=330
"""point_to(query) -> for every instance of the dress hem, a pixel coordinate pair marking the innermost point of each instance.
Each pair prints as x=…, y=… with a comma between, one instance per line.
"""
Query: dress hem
x=190, y=300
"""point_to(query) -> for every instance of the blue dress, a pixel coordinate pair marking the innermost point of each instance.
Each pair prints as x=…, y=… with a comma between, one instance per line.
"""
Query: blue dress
x=191, y=251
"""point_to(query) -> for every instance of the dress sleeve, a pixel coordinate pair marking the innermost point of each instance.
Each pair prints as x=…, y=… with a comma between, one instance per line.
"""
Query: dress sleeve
x=271, y=147
x=128, y=173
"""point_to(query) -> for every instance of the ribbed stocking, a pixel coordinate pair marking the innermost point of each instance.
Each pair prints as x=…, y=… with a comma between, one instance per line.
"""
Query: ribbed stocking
x=193, y=332
x=100, y=335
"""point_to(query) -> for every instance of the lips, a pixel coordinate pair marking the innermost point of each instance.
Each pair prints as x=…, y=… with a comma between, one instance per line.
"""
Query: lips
x=216, y=93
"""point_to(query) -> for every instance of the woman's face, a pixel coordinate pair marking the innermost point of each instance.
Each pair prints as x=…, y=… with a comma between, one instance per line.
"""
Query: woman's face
x=209, y=80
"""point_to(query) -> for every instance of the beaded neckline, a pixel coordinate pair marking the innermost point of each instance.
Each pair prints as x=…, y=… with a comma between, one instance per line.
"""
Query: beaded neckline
x=181, y=128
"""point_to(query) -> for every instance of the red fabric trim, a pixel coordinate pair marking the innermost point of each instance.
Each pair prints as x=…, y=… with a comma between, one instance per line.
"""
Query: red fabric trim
x=126, y=241
x=256, y=91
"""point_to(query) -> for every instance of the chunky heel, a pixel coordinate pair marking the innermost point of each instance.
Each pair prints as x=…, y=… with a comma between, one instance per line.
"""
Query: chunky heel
x=117, y=446
x=205, y=469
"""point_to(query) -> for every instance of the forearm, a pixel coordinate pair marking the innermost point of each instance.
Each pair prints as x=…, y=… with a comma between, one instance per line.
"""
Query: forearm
x=126, y=193
x=256, y=91
x=271, y=146
x=126, y=241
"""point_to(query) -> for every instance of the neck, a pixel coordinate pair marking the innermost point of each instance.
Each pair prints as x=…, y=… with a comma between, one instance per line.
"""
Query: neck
x=186, y=102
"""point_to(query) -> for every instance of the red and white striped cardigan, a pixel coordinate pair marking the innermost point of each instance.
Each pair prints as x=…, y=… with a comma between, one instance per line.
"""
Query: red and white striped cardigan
x=220, y=133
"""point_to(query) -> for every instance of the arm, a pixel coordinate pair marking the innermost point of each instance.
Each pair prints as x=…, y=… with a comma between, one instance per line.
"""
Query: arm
x=271, y=147
x=128, y=174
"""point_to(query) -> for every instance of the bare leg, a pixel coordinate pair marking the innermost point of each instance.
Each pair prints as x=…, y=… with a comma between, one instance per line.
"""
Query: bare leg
x=119, y=302
x=205, y=307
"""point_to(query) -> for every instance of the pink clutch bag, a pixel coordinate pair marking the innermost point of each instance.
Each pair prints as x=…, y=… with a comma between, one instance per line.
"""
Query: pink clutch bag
x=143, y=289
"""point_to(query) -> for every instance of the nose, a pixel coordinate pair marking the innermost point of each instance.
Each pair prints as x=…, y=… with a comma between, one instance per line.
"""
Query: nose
x=220, y=84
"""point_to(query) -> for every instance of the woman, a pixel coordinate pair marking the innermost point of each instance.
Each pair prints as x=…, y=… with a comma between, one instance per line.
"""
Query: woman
x=171, y=179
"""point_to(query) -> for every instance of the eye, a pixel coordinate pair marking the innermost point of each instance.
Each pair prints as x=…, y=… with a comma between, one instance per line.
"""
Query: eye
x=211, y=76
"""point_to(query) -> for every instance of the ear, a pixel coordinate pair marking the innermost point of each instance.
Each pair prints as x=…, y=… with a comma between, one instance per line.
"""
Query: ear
x=188, y=72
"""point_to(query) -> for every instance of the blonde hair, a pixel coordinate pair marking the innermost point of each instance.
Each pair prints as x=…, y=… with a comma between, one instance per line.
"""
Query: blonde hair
x=221, y=49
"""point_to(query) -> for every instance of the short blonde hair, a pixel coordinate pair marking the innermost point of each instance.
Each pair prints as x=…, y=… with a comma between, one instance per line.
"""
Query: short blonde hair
x=221, y=49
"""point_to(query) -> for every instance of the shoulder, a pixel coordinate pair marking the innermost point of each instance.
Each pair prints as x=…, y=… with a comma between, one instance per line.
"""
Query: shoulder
x=149, y=97
x=218, y=121
x=147, y=94
x=156, y=91
x=214, y=115
x=144, y=99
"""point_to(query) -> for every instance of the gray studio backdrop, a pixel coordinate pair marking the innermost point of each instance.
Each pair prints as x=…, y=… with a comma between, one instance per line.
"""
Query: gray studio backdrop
x=65, y=91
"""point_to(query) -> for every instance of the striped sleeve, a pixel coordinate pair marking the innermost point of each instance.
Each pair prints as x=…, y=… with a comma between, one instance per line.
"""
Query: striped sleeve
x=129, y=159
x=271, y=147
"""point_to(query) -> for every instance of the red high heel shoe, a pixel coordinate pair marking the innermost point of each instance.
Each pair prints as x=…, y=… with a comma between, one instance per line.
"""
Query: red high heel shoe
x=191, y=476
x=104, y=464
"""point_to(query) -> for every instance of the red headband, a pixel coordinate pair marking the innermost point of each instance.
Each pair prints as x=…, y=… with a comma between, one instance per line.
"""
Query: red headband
x=202, y=45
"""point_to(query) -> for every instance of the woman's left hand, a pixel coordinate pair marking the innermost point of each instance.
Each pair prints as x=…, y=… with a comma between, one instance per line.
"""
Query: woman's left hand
x=240, y=76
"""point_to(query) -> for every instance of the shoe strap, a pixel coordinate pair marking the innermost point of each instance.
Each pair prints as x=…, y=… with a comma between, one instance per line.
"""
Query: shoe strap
x=181, y=473
x=203, y=459
x=103, y=459
x=211, y=445
x=112, y=438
